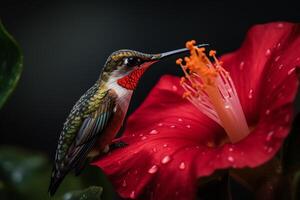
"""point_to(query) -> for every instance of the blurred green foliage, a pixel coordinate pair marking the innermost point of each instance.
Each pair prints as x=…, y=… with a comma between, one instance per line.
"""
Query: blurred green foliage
x=26, y=175
x=91, y=193
x=11, y=63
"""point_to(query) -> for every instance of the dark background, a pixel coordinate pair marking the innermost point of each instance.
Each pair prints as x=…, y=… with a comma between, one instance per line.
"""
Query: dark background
x=65, y=45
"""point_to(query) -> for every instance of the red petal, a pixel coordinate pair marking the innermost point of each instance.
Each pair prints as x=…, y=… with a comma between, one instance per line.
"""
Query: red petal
x=167, y=125
x=261, y=66
x=175, y=137
x=269, y=54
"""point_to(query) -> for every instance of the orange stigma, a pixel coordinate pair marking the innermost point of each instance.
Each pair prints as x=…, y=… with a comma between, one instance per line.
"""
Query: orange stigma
x=210, y=88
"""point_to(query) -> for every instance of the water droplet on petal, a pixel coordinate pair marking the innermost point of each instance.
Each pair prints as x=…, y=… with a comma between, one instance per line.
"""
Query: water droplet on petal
x=227, y=106
x=287, y=118
x=188, y=126
x=277, y=58
x=280, y=25
x=165, y=159
x=280, y=66
x=291, y=71
x=298, y=58
x=268, y=52
x=179, y=119
x=267, y=112
x=174, y=88
x=132, y=194
x=124, y=184
x=230, y=159
x=160, y=124
x=278, y=45
x=153, y=132
x=153, y=169
x=144, y=138
x=165, y=145
x=182, y=166
x=230, y=149
x=250, y=95
x=135, y=172
x=269, y=136
x=172, y=126
x=242, y=65
x=133, y=135
x=154, y=149
x=270, y=149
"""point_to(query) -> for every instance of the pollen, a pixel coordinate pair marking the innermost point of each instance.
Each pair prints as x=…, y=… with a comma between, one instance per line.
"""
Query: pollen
x=209, y=87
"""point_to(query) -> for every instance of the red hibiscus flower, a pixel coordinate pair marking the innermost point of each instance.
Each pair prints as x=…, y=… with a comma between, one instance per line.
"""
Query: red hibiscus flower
x=171, y=143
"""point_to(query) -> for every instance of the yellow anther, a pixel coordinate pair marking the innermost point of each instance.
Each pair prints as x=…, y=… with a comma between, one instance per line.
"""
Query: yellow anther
x=182, y=80
x=187, y=59
x=202, y=49
x=186, y=94
x=194, y=85
x=204, y=89
x=179, y=61
x=190, y=44
x=212, y=53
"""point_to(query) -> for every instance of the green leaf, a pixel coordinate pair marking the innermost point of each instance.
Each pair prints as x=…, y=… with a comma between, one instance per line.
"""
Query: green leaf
x=91, y=193
x=26, y=175
x=92, y=175
x=11, y=63
x=21, y=171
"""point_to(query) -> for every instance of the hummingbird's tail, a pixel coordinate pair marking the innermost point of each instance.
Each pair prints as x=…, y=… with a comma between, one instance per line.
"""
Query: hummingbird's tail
x=55, y=182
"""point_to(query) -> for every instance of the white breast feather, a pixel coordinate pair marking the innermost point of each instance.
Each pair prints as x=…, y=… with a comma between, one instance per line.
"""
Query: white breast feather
x=124, y=95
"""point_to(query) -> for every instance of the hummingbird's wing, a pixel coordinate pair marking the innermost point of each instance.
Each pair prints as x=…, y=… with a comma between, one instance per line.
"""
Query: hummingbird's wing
x=87, y=121
x=90, y=129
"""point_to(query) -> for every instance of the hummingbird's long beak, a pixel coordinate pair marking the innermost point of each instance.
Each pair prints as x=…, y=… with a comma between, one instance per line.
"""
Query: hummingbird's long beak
x=174, y=52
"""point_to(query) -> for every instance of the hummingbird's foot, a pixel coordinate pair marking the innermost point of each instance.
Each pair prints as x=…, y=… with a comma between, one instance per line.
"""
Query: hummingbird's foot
x=117, y=145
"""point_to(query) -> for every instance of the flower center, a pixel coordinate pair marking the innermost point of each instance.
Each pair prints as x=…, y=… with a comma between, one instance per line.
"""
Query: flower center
x=210, y=88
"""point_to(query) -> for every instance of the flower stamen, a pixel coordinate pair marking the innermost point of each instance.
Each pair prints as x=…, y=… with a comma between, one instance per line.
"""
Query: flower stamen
x=209, y=87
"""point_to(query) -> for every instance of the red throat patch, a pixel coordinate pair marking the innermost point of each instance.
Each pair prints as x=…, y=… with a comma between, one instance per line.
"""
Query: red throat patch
x=131, y=80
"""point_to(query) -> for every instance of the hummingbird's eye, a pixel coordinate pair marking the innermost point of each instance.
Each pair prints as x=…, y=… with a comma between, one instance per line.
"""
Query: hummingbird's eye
x=132, y=62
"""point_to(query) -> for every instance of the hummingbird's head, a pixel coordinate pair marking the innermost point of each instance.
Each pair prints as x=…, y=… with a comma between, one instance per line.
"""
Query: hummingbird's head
x=127, y=66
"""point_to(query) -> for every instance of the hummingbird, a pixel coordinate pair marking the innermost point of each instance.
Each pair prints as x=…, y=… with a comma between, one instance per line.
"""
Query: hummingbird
x=98, y=115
